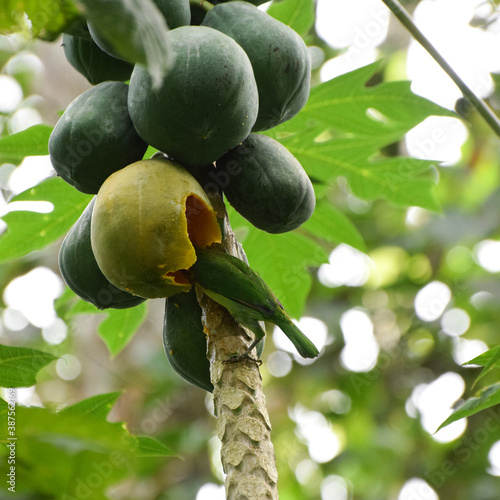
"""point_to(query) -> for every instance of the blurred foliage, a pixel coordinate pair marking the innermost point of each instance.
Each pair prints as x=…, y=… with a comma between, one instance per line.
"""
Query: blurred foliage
x=376, y=434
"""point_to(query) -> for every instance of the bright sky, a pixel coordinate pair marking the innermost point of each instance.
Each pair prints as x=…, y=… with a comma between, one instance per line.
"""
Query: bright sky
x=358, y=27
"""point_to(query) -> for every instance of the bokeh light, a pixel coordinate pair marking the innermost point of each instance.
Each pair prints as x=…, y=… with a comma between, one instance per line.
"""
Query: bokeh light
x=464, y=350
x=434, y=402
x=324, y=442
x=437, y=138
x=56, y=332
x=358, y=23
x=494, y=458
x=334, y=488
x=211, y=491
x=417, y=489
x=460, y=44
x=361, y=349
x=11, y=94
x=455, y=322
x=68, y=367
x=487, y=253
x=431, y=300
x=279, y=364
x=33, y=295
x=347, y=266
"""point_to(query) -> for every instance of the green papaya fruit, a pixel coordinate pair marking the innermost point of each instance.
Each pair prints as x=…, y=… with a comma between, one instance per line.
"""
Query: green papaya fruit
x=78, y=28
x=184, y=340
x=95, y=137
x=205, y=105
x=175, y=12
x=93, y=63
x=266, y=184
x=279, y=58
x=81, y=272
x=254, y=2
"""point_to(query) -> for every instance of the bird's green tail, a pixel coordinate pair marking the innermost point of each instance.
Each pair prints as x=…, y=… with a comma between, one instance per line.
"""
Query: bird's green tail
x=303, y=345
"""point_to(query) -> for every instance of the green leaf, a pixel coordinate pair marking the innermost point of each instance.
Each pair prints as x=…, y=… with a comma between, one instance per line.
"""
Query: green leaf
x=83, y=307
x=19, y=365
x=98, y=406
x=76, y=452
x=120, y=326
x=385, y=111
x=343, y=127
x=28, y=231
x=488, y=397
x=149, y=447
x=30, y=142
x=298, y=14
x=489, y=360
x=135, y=28
x=403, y=181
x=48, y=18
x=333, y=226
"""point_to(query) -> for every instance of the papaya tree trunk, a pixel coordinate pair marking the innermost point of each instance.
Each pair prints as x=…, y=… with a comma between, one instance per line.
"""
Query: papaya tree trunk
x=243, y=424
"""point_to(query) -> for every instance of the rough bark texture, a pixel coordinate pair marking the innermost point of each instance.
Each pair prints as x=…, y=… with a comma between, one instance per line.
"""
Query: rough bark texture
x=243, y=424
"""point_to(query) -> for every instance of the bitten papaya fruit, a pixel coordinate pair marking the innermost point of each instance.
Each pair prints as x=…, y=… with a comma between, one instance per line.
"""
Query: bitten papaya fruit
x=207, y=102
x=278, y=55
x=95, y=137
x=147, y=219
x=267, y=185
x=184, y=340
x=93, y=63
x=175, y=12
x=81, y=272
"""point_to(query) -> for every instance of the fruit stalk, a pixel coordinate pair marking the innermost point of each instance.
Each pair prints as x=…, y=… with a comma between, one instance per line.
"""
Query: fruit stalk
x=243, y=424
x=204, y=4
x=404, y=18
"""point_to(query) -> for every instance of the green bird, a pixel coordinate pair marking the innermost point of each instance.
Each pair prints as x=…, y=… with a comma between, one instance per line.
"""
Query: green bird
x=234, y=285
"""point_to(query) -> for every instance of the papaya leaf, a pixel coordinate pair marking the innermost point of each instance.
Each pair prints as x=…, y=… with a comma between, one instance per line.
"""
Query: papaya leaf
x=120, y=326
x=487, y=397
x=333, y=226
x=30, y=142
x=385, y=111
x=98, y=406
x=19, y=365
x=298, y=14
x=28, y=231
x=47, y=18
x=343, y=127
x=149, y=447
x=403, y=181
x=62, y=453
x=135, y=28
x=83, y=307
x=489, y=360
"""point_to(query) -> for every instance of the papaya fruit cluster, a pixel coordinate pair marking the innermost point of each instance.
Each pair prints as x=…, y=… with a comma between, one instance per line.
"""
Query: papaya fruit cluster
x=235, y=71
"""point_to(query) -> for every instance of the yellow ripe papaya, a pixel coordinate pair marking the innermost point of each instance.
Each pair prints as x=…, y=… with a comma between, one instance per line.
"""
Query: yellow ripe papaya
x=146, y=221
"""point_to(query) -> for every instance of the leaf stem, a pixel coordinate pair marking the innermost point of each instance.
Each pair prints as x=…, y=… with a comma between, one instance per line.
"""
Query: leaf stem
x=402, y=15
